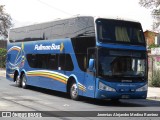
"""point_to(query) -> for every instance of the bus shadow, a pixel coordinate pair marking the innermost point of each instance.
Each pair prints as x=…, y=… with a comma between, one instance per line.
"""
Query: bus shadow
x=124, y=102
x=46, y=91
x=120, y=103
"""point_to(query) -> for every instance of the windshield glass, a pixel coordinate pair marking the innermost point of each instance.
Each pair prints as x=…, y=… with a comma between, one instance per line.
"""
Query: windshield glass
x=119, y=63
x=119, y=31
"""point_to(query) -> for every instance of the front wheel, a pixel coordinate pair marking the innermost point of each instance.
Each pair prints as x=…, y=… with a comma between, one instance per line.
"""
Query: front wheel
x=24, y=81
x=74, y=91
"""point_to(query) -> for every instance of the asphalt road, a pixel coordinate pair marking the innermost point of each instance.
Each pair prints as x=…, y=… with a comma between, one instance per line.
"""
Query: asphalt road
x=13, y=98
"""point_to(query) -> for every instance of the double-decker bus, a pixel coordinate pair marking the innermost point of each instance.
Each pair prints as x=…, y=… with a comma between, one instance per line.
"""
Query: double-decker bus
x=101, y=58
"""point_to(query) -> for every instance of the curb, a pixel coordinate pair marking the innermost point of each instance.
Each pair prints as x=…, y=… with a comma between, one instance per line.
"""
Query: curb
x=153, y=98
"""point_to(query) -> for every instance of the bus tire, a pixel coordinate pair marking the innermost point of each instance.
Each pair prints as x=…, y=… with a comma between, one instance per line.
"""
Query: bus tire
x=18, y=81
x=24, y=81
x=74, y=91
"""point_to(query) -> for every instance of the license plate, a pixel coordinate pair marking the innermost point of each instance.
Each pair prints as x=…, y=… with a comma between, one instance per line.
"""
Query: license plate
x=125, y=96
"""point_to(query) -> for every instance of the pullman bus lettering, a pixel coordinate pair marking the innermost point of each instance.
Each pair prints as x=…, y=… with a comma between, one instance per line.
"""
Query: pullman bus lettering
x=49, y=47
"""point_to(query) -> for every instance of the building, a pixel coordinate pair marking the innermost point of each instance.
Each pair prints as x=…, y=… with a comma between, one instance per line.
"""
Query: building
x=152, y=38
x=153, y=45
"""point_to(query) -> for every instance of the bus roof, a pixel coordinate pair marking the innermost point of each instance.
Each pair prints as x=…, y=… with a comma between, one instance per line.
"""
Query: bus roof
x=75, y=17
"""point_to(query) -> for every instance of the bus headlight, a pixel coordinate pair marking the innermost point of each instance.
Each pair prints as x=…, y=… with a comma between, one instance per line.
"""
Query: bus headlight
x=105, y=87
x=143, y=88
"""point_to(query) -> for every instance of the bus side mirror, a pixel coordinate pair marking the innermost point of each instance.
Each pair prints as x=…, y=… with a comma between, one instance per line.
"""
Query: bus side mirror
x=91, y=64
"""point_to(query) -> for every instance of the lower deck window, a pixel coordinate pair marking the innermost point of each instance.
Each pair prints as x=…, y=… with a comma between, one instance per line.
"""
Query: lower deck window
x=50, y=61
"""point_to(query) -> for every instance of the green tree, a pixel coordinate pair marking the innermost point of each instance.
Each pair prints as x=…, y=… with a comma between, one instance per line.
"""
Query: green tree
x=153, y=46
x=155, y=6
x=5, y=22
x=3, y=53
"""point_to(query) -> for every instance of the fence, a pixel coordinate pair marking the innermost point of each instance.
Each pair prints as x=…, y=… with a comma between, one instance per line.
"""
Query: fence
x=3, y=44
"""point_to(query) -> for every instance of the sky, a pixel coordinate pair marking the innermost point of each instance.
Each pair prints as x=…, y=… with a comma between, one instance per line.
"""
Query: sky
x=25, y=12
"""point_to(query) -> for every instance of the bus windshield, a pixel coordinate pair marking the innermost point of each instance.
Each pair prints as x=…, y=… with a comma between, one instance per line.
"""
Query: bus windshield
x=119, y=31
x=119, y=63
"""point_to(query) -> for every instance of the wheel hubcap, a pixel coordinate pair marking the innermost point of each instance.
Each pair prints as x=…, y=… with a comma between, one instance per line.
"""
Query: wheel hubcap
x=24, y=82
x=74, y=90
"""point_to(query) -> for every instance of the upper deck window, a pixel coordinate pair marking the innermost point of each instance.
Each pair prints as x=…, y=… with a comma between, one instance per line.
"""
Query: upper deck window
x=119, y=31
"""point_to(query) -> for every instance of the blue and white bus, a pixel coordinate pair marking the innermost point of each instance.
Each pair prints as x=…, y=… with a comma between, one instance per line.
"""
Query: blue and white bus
x=99, y=58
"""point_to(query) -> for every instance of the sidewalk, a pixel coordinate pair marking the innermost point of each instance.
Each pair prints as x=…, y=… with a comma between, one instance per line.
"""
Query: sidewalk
x=153, y=92
x=2, y=72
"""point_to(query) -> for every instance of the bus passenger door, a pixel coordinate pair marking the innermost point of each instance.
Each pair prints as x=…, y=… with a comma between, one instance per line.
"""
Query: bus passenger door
x=90, y=80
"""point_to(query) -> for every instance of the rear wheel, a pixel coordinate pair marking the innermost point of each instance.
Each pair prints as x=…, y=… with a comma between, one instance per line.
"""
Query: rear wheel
x=18, y=81
x=74, y=91
x=24, y=81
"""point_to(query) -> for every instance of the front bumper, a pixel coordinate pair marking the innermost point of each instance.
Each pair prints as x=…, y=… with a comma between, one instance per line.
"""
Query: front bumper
x=116, y=95
x=120, y=90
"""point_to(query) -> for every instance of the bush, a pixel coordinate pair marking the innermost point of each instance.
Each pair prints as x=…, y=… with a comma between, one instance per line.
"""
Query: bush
x=3, y=53
x=153, y=46
x=155, y=82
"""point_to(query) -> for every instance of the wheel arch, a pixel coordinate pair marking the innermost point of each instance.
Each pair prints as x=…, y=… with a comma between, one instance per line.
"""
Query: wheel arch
x=22, y=72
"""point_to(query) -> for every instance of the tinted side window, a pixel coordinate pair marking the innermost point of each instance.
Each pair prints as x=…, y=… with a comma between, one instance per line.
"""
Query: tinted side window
x=53, y=62
x=80, y=46
x=32, y=59
x=61, y=62
x=65, y=62
x=69, y=63
x=50, y=61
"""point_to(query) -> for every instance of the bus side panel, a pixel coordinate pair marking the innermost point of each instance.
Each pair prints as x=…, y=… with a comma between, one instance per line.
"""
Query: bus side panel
x=45, y=78
x=54, y=80
x=47, y=83
x=89, y=84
